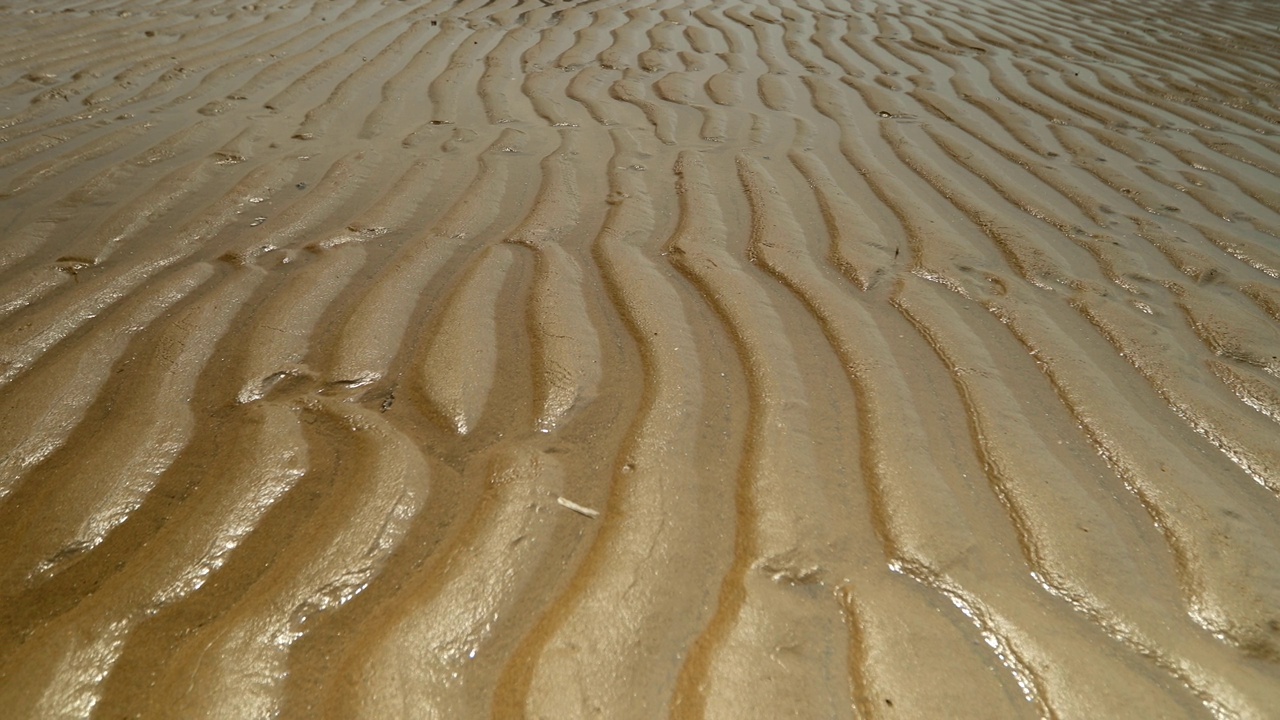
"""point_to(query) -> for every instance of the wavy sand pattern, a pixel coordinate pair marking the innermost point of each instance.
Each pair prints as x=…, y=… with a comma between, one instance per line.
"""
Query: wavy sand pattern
x=631, y=358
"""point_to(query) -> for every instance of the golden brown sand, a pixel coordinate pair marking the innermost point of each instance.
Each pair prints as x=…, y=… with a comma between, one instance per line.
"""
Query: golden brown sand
x=634, y=358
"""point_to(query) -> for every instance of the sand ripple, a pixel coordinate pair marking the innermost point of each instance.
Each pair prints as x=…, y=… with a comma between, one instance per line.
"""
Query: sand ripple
x=704, y=358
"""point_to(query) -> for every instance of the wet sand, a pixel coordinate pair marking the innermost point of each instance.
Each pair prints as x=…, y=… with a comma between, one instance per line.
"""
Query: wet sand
x=701, y=358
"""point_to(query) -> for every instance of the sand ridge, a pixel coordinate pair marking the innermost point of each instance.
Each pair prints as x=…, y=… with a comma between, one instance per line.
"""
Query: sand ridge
x=630, y=358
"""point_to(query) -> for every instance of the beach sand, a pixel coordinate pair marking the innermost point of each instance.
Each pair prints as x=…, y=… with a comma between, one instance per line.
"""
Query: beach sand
x=640, y=358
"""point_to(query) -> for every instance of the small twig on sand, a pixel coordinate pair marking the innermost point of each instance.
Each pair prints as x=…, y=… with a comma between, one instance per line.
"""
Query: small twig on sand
x=578, y=508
